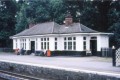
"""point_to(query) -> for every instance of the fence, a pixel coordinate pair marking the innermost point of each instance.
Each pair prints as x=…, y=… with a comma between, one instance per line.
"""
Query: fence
x=106, y=52
x=6, y=50
x=117, y=56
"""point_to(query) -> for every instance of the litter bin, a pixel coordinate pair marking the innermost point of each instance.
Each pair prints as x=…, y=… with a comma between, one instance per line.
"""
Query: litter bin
x=48, y=53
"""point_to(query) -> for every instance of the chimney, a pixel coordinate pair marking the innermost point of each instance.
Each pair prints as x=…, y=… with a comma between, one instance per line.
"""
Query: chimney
x=31, y=25
x=68, y=20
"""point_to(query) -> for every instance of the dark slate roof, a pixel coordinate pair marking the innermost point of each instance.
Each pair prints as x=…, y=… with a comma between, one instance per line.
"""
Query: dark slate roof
x=54, y=28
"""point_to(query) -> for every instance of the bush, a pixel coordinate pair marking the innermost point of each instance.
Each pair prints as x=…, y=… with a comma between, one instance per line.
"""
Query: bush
x=6, y=50
x=39, y=53
x=28, y=52
x=68, y=53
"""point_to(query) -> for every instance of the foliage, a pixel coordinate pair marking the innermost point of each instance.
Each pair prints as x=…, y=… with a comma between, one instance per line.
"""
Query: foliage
x=102, y=15
x=114, y=22
x=7, y=20
x=21, y=19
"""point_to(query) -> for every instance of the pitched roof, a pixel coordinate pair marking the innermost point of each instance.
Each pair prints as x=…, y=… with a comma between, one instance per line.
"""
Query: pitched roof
x=54, y=28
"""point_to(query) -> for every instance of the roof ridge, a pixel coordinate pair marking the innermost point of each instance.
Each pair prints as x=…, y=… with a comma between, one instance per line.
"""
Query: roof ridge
x=80, y=26
x=53, y=27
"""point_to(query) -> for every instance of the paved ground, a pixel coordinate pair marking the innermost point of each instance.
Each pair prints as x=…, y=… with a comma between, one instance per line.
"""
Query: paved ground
x=83, y=63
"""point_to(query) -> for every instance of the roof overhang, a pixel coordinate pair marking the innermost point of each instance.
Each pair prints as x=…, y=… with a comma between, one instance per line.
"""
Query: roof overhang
x=58, y=35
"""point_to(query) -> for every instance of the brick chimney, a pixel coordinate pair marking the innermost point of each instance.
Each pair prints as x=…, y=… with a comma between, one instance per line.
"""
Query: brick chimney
x=31, y=25
x=68, y=20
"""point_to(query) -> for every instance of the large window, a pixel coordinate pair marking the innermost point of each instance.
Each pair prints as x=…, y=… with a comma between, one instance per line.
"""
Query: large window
x=84, y=43
x=45, y=43
x=69, y=43
x=23, y=43
x=55, y=43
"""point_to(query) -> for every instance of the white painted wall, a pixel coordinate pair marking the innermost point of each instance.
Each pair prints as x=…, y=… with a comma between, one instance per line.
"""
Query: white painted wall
x=27, y=44
x=102, y=41
x=18, y=43
x=105, y=41
x=39, y=44
x=88, y=42
x=14, y=44
x=99, y=43
x=79, y=43
x=51, y=43
x=60, y=43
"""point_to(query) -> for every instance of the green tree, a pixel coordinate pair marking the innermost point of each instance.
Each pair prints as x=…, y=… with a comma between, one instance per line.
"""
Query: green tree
x=21, y=19
x=114, y=22
x=7, y=20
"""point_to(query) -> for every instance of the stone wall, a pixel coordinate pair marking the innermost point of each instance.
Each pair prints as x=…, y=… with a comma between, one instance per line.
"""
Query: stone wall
x=52, y=73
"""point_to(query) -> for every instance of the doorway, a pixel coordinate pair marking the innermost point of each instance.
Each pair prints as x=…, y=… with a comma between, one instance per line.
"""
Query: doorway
x=32, y=46
x=93, y=46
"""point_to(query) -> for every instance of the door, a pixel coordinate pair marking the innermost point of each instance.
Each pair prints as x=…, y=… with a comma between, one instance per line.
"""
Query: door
x=93, y=47
x=32, y=46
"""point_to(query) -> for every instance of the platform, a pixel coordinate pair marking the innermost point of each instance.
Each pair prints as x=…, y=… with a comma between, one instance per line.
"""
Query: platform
x=89, y=64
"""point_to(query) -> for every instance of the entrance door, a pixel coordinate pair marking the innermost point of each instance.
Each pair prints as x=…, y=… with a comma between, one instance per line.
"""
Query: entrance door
x=93, y=47
x=32, y=46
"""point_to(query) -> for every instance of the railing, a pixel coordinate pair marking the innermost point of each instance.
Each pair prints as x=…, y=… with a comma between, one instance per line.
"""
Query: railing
x=117, y=53
x=6, y=50
x=106, y=52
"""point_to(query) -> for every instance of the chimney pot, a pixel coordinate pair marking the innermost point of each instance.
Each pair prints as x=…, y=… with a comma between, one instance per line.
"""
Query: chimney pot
x=68, y=20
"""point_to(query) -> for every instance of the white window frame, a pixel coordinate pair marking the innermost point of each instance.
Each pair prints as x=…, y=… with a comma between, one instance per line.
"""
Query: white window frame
x=67, y=42
x=45, y=43
x=56, y=43
x=84, y=45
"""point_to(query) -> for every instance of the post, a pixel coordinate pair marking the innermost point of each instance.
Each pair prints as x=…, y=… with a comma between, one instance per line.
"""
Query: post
x=113, y=56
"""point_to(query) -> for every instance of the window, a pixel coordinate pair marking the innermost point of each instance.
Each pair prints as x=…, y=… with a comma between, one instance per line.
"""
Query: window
x=47, y=39
x=41, y=45
x=69, y=38
x=84, y=38
x=93, y=38
x=45, y=43
x=70, y=43
x=41, y=39
x=84, y=45
x=65, y=45
x=74, y=45
x=55, y=43
x=55, y=39
x=44, y=39
x=65, y=38
x=74, y=38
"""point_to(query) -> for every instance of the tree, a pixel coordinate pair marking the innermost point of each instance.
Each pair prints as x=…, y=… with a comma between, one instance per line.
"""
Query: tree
x=21, y=19
x=7, y=21
x=114, y=22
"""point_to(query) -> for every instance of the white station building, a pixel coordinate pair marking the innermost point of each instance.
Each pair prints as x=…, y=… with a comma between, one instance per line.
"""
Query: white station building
x=67, y=37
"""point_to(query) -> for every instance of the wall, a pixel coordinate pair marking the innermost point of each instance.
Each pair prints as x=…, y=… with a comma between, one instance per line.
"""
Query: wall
x=103, y=42
x=79, y=43
x=54, y=73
